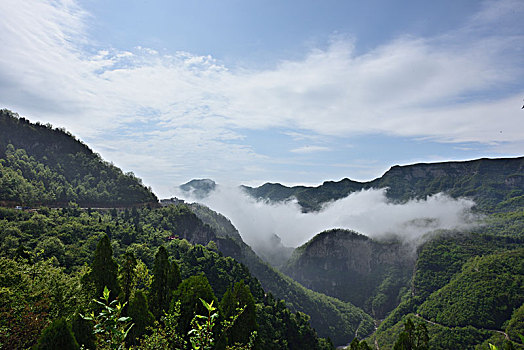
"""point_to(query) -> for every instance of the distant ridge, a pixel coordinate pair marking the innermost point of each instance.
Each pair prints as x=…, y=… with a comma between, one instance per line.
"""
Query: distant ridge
x=494, y=184
x=199, y=188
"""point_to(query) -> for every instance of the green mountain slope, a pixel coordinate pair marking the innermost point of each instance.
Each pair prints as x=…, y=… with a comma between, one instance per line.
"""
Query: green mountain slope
x=489, y=182
x=331, y=317
x=484, y=294
x=60, y=243
x=41, y=165
x=494, y=184
x=468, y=284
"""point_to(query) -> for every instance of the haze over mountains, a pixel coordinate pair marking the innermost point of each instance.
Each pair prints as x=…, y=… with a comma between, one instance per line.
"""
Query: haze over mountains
x=408, y=215
x=107, y=106
x=437, y=244
x=405, y=203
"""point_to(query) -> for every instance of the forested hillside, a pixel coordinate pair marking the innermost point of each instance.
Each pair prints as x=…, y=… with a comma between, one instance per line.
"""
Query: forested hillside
x=49, y=257
x=330, y=316
x=467, y=289
x=464, y=287
x=494, y=184
x=42, y=165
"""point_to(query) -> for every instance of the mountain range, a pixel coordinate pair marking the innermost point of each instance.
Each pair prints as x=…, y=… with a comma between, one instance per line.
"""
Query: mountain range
x=394, y=281
x=464, y=286
x=494, y=184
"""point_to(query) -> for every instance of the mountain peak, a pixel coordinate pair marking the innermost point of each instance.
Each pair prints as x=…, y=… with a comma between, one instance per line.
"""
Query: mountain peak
x=200, y=188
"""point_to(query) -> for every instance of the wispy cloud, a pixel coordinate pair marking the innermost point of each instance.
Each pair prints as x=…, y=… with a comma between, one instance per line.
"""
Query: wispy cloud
x=183, y=109
x=310, y=149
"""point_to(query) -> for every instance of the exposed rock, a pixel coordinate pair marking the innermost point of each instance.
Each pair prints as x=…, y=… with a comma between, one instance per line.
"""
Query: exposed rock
x=354, y=268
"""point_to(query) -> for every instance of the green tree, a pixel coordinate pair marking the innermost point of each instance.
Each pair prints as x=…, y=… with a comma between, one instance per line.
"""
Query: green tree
x=239, y=297
x=83, y=331
x=189, y=293
x=142, y=318
x=161, y=290
x=58, y=335
x=104, y=270
x=359, y=345
x=127, y=275
x=173, y=278
x=413, y=337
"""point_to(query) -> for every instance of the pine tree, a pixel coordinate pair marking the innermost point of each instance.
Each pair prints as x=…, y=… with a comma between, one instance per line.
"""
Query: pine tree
x=104, y=269
x=58, y=335
x=189, y=292
x=127, y=275
x=142, y=318
x=166, y=278
x=173, y=279
x=239, y=297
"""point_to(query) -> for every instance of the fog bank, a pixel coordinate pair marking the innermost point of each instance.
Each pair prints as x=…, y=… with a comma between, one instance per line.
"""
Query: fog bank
x=368, y=212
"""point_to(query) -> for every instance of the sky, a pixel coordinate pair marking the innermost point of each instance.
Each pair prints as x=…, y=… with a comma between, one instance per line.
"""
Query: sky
x=248, y=92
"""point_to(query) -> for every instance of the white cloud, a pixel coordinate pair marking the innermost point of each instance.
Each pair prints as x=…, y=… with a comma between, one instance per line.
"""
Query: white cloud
x=310, y=149
x=368, y=212
x=195, y=107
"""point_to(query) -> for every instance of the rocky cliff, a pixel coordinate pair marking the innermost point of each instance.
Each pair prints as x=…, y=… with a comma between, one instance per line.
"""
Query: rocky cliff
x=352, y=267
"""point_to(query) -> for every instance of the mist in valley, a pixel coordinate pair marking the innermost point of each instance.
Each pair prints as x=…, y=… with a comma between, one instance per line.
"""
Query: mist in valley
x=368, y=212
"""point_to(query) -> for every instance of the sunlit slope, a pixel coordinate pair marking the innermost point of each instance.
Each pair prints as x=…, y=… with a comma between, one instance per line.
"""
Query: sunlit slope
x=42, y=165
x=468, y=285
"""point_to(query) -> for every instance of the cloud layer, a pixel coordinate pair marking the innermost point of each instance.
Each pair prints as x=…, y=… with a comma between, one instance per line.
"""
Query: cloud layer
x=165, y=113
x=368, y=212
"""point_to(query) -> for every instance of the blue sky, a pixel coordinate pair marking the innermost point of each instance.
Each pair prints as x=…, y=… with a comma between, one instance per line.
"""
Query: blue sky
x=251, y=32
x=297, y=92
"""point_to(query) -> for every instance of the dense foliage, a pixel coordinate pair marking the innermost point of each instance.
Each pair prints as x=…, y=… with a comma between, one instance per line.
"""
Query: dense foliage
x=42, y=165
x=58, y=335
x=468, y=290
x=486, y=292
x=237, y=296
x=330, y=316
x=32, y=295
x=55, y=281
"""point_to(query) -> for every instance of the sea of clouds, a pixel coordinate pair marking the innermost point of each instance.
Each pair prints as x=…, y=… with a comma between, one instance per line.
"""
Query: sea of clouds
x=368, y=212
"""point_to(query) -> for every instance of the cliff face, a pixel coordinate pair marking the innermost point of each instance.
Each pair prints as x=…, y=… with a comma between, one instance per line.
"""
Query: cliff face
x=354, y=268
